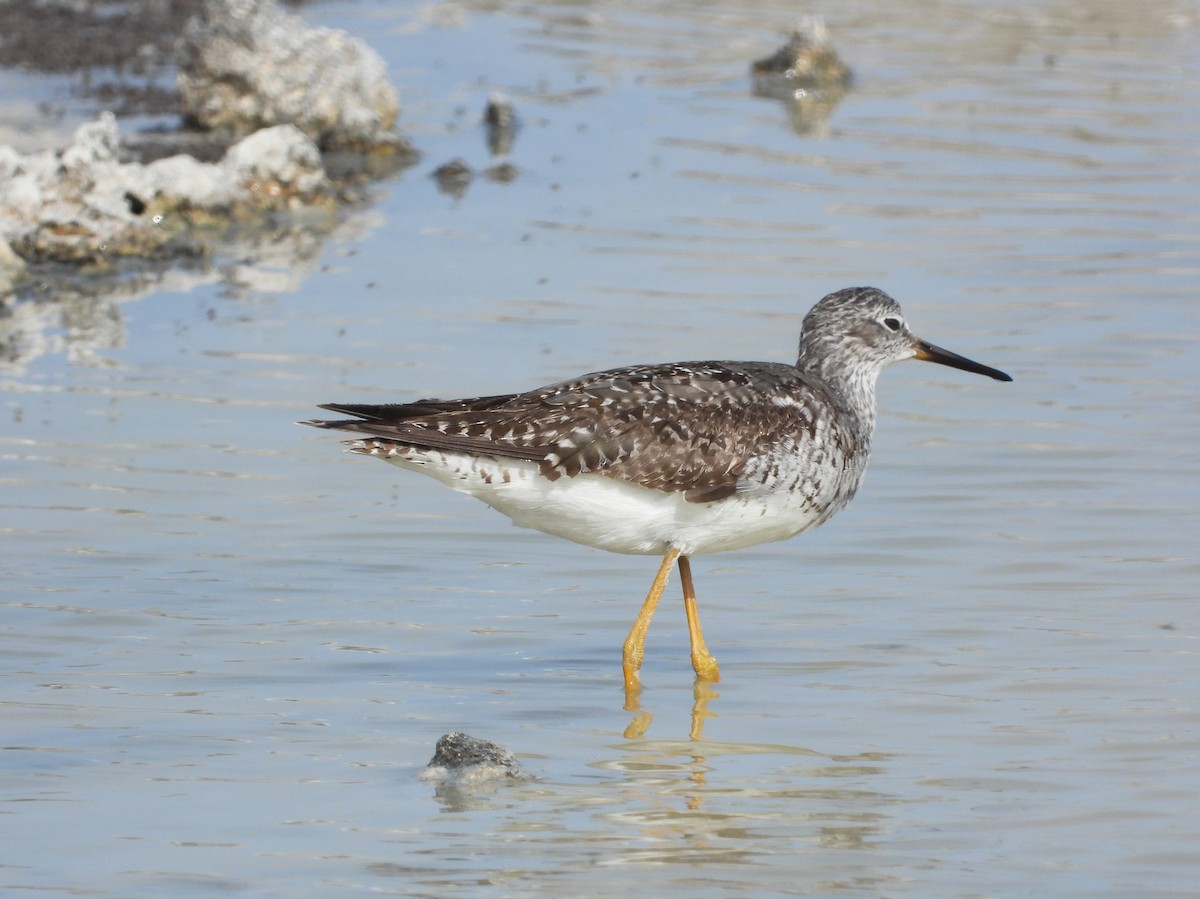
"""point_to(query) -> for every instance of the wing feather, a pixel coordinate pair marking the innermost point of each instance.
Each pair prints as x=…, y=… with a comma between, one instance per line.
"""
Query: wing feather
x=687, y=427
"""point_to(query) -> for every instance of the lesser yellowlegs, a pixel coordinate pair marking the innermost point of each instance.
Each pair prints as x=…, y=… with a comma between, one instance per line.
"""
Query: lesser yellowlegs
x=674, y=459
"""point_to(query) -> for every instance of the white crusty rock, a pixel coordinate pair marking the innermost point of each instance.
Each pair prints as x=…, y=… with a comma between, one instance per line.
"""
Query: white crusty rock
x=247, y=64
x=84, y=205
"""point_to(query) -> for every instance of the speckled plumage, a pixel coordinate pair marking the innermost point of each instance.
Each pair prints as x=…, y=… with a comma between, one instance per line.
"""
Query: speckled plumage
x=686, y=457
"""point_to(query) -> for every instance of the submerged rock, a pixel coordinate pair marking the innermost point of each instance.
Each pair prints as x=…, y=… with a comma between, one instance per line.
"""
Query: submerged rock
x=247, y=64
x=453, y=177
x=84, y=205
x=501, y=173
x=806, y=74
x=500, y=120
x=806, y=60
x=460, y=760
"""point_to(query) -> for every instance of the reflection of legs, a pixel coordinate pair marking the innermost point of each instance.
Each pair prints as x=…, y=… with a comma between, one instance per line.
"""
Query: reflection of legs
x=702, y=692
x=702, y=660
x=635, y=644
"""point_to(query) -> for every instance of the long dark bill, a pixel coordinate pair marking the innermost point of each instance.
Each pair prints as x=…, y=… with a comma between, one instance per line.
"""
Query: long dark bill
x=927, y=352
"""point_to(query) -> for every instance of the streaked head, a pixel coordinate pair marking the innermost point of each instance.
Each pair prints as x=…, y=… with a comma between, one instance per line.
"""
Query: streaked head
x=854, y=333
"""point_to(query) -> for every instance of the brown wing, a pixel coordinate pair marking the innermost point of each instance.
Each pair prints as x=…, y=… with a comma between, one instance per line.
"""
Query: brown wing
x=689, y=427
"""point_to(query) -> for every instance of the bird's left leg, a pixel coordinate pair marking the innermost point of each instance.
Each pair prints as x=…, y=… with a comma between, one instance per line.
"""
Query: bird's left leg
x=635, y=644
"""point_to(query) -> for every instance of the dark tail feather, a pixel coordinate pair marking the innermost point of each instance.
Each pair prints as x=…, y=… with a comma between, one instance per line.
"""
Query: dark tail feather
x=392, y=413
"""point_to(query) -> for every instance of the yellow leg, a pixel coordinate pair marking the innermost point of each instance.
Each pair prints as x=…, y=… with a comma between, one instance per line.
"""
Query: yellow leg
x=635, y=644
x=702, y=660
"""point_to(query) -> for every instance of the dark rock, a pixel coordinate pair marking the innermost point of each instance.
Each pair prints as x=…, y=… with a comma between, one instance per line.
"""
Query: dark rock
x=462, y=760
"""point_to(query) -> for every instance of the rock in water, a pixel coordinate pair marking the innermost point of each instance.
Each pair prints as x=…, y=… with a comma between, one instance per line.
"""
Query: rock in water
x=462, y=760
x=247, y=64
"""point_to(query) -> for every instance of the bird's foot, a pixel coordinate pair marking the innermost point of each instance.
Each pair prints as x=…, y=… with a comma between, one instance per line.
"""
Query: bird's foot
x=705, y=666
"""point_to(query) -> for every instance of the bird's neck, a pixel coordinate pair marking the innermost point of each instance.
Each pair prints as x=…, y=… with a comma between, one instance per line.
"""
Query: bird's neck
x=851, y=387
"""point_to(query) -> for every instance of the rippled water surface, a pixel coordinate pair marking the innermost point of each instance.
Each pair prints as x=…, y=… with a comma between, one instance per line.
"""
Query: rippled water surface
x=228, y=648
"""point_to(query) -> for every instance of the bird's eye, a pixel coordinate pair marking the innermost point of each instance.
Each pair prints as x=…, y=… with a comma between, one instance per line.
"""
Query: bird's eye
x=892, y=324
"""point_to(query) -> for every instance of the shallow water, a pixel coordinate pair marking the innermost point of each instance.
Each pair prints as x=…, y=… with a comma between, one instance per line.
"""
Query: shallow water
x=229, y=648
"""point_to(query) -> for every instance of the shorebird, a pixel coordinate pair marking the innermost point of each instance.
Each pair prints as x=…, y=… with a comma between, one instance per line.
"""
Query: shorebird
x=671, y=460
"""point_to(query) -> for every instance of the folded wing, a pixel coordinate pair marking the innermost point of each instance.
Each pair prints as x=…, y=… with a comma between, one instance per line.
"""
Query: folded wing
x=664, y=427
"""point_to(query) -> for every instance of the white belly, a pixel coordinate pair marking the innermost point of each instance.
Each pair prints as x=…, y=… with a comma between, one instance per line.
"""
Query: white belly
x=615, y=515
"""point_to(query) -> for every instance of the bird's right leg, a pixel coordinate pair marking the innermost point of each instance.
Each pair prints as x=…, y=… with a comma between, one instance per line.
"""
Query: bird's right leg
x=703, y=662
